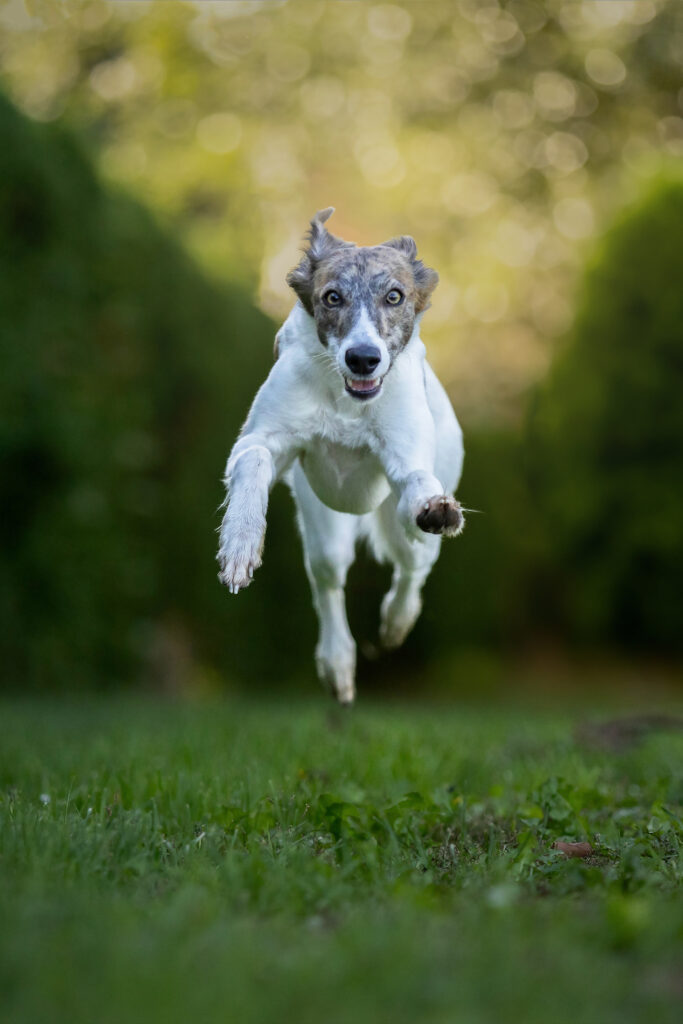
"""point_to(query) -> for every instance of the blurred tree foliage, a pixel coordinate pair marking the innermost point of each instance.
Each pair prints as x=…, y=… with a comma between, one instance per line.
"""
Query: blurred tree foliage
x=503, y=135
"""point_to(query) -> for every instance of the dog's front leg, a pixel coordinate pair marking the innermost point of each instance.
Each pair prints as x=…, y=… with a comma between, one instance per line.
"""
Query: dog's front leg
x=262, y=453
x=423, y=506
x=250, y=473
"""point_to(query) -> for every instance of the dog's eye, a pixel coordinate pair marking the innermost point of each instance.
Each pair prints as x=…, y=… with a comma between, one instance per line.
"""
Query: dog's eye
x=394, y=297
x=332, y=299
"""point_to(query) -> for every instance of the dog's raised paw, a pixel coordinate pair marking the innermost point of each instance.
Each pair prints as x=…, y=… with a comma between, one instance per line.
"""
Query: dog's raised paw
x=442, y=515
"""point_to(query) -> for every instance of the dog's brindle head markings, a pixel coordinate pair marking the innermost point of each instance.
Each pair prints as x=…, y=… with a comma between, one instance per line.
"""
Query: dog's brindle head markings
x=364, y=301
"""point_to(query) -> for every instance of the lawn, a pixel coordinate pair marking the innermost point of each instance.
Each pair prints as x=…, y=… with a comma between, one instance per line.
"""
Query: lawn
x=272, y=861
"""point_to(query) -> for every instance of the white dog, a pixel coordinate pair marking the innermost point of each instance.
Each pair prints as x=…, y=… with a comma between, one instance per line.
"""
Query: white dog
x=354, y=419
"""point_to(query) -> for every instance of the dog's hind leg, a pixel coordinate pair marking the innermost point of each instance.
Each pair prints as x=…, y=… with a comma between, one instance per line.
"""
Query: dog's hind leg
x=412, y=561
x=329, y=540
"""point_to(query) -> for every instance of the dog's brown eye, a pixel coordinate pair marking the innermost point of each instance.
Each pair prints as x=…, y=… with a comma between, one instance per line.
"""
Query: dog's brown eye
x=394, y=297
x=332, y=299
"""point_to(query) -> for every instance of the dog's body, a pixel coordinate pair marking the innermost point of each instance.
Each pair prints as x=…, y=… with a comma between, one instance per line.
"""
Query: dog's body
x=367, y=453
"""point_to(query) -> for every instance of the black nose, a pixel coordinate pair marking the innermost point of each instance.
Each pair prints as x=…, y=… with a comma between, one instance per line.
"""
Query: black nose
x=362, y=358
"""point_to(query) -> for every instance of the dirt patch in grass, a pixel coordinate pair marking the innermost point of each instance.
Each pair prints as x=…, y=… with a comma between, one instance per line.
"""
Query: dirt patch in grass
x=617, y=734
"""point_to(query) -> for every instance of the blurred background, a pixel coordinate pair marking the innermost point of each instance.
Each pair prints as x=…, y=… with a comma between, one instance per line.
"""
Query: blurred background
x=159, y=163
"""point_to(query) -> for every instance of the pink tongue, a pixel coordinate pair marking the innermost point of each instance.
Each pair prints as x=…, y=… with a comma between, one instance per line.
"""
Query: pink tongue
x=363, y=385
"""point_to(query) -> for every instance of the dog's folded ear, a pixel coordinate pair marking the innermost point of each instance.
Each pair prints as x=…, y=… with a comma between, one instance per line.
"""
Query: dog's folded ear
x=321, y=244
x=404, y=244
x=426, y=279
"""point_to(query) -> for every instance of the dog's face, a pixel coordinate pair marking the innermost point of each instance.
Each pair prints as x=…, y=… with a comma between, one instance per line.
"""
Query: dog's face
x=364, y=302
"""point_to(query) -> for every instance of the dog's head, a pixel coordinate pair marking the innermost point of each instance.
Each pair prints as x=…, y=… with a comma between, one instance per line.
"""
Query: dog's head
x=364, y=300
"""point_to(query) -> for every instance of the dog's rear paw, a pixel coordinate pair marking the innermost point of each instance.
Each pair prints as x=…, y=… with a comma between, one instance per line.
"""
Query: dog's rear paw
x=441, y=515
x=338, y=677
x=399, y=614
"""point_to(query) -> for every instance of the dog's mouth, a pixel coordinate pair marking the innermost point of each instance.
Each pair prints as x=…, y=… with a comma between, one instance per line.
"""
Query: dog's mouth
x=362, y=387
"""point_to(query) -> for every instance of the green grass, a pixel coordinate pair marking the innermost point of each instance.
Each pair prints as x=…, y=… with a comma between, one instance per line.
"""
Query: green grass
x=271, y=862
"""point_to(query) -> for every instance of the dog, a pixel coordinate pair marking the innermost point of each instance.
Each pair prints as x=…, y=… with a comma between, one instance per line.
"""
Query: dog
x=355, y=421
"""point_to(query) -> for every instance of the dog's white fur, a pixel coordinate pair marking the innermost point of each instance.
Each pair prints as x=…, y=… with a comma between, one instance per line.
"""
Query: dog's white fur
x=356, y=470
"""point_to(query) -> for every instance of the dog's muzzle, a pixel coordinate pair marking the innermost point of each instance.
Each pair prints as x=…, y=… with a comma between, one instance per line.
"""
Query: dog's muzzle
x=362, y=388
x=363, y=359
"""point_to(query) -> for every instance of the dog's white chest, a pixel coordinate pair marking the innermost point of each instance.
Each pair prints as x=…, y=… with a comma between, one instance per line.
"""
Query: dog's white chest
x=345, y=479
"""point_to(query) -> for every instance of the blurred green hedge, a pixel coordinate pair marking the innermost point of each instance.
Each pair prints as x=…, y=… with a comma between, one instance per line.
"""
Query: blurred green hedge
x=581, y=543
x=605, y=441
x=126, y=374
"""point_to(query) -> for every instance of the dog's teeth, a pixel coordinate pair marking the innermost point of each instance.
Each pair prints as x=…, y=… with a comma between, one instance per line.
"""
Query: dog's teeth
x=251, y=572
x=426, y=506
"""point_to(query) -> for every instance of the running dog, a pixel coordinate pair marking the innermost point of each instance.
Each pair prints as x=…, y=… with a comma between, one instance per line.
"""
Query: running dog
x=353, y=418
